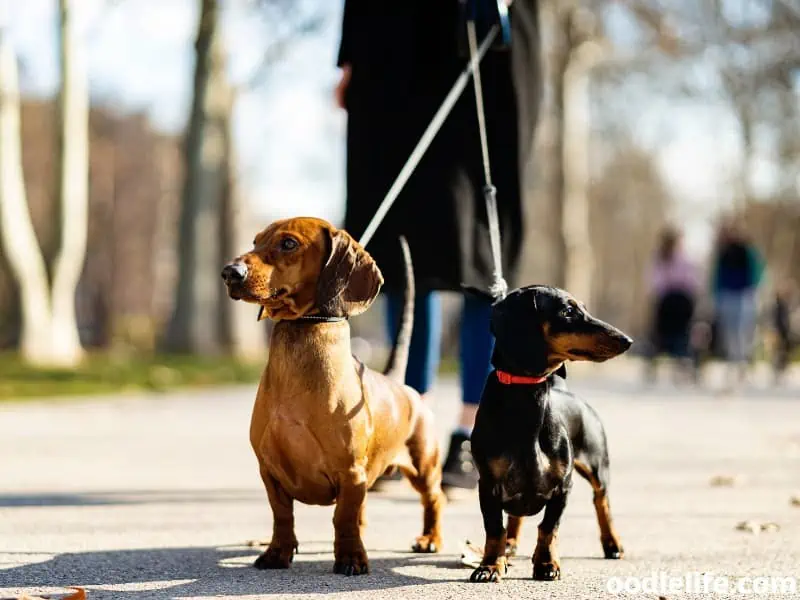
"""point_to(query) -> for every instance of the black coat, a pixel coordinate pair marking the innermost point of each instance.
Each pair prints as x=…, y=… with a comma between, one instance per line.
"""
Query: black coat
x=405, y=56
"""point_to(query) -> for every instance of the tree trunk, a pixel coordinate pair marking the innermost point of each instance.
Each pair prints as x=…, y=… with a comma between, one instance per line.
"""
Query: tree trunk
x=17, y=235
x=73, y=188
x=544, y=253
x=196, y=310
x=578, y=257
x=242, y=335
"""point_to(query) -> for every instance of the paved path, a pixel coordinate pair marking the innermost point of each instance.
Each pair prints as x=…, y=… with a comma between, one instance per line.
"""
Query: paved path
x=156, y=497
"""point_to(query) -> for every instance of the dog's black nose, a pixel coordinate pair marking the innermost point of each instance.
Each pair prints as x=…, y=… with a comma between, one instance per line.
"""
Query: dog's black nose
x=625, y=341
x=234, y=272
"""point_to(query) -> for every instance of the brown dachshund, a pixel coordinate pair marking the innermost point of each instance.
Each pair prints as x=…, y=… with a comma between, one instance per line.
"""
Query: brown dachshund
x=325, y=427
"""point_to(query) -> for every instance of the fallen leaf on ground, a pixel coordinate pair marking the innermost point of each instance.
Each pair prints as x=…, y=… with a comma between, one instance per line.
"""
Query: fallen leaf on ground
x=795, y=500
x=755, y=527
x=725, y=480
x=471, y=555
x=750, y=526
x=79, y=594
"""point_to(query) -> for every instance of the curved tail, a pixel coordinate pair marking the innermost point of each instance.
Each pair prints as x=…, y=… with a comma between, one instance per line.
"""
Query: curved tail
x=398, y=359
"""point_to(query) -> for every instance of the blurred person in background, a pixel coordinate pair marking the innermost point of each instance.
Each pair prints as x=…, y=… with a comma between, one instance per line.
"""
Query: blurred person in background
x=781, y=324
x=398, y=61
x=736, y=274
x=674, y=286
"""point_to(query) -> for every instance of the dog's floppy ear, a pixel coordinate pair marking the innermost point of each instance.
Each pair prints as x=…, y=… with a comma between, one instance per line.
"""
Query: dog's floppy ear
x=350, y=280
x=562, y=371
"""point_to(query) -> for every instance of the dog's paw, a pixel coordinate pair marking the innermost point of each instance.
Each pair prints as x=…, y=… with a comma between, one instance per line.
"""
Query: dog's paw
x=490, y=573
x=613, y=550
x=275, y=558
x=351, y=563
x=426, y=544
x=546, y=571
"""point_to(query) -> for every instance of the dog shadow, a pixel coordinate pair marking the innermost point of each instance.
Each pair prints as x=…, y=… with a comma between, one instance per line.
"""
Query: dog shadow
x=221, y=571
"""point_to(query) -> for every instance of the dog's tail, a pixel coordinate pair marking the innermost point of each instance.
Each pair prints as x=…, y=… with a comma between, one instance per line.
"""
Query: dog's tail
x=398, y=359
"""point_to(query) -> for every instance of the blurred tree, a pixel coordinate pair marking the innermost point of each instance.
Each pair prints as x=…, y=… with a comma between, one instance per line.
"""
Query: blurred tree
x=215, y=223
x=195, y=325
x=73, y=189
x=49, y=333
x=629, y=201
x=20, y=246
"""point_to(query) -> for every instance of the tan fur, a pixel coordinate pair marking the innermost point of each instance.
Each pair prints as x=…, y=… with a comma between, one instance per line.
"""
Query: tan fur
x=546, y=553
x=324, y=427
x=608, y=535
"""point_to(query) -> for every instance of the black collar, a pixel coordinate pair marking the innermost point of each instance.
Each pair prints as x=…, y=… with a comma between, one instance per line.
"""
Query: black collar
x=317, y=319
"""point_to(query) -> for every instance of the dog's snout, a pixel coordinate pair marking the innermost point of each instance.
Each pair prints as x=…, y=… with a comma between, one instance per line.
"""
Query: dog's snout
x=234, y=272
x=625, y=341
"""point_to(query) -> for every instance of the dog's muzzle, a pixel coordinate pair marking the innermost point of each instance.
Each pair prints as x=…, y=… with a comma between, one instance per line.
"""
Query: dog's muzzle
x=234, y=273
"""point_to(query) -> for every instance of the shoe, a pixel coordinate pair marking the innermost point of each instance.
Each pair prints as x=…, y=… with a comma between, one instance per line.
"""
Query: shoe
x=459, y=470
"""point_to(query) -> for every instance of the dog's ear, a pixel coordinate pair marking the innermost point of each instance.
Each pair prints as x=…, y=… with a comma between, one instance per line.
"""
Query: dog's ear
x=562, y=371
x=519, y=346
x=350, y=280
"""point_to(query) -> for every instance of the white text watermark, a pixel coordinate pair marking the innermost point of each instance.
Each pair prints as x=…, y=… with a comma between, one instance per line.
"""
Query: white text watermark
x=702, y=583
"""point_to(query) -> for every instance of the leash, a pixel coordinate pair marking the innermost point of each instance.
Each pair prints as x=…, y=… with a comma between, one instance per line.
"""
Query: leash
x=499, y=286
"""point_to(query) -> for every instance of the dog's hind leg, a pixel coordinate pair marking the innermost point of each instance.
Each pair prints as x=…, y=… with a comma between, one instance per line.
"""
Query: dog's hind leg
x=513, y=528
x=281, y=549
x=597, y=476
x=546, y=565
x=426, y=477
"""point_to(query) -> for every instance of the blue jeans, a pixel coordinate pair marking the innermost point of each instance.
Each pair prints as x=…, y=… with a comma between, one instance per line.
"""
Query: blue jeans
x=476, y=342
x=736, y=316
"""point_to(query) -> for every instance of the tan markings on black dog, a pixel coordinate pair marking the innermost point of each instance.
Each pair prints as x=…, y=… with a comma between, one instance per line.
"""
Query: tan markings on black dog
x=575, y=346
x=499, y=466
x=546, y=565
x=608, y=536
x=513, y=530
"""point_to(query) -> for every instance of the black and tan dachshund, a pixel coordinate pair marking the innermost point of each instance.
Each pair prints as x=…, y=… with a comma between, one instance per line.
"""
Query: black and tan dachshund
x=531, y=433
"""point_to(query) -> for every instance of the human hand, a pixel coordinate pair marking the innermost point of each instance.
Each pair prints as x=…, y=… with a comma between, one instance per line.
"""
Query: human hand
x=340, y=92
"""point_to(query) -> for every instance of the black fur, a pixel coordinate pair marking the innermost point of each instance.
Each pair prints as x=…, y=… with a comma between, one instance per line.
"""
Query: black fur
x=527, y=436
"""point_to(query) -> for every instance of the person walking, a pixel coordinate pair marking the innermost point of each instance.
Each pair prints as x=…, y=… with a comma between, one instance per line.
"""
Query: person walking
x=398, y=61
x=737, y=273
x=674, y=285
x=780, y=314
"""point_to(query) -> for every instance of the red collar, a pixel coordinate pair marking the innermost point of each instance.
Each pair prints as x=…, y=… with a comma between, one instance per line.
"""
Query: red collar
x=509, y=379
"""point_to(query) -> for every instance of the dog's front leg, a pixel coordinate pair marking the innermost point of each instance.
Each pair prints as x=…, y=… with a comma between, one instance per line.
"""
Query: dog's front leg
x=350, y=557
x=493, y=566
x=284, y=543
x=546, y=565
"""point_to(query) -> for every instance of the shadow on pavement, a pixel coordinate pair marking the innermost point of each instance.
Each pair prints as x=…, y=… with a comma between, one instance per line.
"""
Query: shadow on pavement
x=222, y=571
x=128, y=497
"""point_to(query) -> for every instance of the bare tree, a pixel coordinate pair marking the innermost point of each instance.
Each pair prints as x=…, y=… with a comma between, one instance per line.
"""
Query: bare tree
x=49, y=327
x=194, y=324
x=73, y=188
x=20, y=246
x=214, y=220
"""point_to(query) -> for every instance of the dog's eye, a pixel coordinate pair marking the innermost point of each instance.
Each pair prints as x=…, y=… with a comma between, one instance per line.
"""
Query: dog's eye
x=568, y=313
x=288, y=244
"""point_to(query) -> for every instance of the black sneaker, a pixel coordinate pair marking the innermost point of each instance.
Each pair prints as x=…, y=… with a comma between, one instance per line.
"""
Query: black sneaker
x=459, y=471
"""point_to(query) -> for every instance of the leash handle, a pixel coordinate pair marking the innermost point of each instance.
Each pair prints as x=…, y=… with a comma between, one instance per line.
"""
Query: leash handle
x=499, y=287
